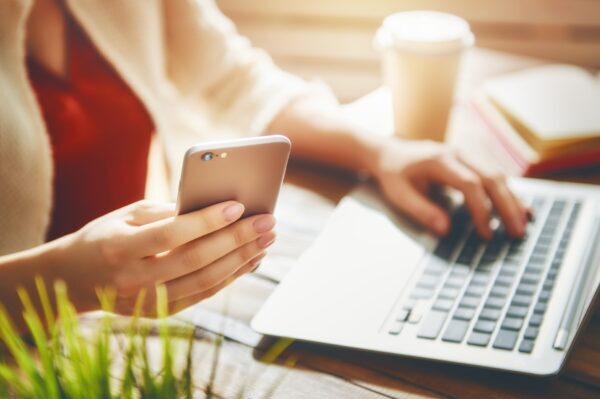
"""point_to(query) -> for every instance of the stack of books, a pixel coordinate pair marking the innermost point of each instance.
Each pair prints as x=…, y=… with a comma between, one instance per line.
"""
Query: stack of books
x=546, y=119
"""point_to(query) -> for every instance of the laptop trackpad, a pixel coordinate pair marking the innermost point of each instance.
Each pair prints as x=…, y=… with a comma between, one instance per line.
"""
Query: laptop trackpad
x=345, y=284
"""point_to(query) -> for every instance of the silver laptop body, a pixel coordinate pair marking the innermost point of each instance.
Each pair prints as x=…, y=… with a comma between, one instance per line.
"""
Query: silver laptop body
x=374, y=281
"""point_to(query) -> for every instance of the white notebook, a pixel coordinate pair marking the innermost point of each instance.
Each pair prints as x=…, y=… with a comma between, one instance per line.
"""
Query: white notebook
x=554, y=103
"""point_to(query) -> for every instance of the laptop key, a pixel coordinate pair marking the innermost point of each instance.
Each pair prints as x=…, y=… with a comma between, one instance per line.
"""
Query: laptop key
x=432, y=324
x=449, y=293
x=415, y=316
x=495, y=303
x=522, y=300
x=506, y=339
x=445, y=247
x=540, y=307
x=526, y=346
x=456, y=331
x=480, y=278
x=504, y=281
x=511, y=261
x=428, y=281
x=531, y=332
x=460, y=270
x=403, y=315
x=464, y=313
x=544, y=296
x=512, y=323
x=508, y=272
x=485, y=267
x=479, y=339
x=469, y=302
x=396, y=328
x=443, y=304
x=435, y=267
x=530, y=278
x=536, y=260
x=475, y=290
x=534, y=268
x=536, y=320
x=526, y=289
x=499, y=291
x=489, y=314
x=469, y=249
x=513, y=269
x=455, y=281
x=485, y=326
x=517, y=311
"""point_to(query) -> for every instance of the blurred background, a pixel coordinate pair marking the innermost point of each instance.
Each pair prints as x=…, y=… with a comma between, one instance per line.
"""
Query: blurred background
x=332, y=39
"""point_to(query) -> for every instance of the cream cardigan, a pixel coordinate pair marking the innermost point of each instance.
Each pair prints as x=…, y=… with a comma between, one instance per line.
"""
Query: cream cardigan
x=196, y=76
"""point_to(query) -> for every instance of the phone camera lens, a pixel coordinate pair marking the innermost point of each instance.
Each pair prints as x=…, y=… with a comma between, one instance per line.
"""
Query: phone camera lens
x=208, y=156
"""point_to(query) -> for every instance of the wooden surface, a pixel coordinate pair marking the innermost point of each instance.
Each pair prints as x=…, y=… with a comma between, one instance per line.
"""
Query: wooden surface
x=306, y=370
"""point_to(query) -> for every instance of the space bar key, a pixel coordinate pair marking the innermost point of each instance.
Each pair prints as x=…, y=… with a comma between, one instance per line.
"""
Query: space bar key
x=432, y=324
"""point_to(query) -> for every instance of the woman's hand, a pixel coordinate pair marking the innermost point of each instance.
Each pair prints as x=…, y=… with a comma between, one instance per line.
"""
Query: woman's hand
x=144, y=244
x=407, y=171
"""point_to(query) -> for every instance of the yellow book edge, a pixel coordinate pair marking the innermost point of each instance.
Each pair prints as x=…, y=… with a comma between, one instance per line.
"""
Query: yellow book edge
x=502, y=128
x=547, y=148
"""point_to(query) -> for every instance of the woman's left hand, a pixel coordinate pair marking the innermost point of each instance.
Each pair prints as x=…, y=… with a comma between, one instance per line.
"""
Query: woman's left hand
x=407, y=171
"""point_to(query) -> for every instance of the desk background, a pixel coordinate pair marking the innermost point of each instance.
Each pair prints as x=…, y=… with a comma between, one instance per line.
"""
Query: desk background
x=331, y=39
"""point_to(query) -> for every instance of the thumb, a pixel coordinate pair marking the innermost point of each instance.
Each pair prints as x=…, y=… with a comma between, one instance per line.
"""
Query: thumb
x=145, y=212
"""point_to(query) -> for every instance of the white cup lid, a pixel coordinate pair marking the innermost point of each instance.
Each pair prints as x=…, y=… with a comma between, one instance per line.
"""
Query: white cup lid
x=424, y=31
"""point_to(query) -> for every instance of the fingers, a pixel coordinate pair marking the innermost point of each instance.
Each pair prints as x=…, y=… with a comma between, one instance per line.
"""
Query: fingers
x=179, y=305
x=203, y=252
x=511, y=210
x=416, y=205
x=512, y=213
x=166, y=234
x=459, y=176
x=219, y=271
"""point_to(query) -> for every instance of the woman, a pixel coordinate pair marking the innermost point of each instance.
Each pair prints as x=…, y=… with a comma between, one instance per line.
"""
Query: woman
x=86, y=82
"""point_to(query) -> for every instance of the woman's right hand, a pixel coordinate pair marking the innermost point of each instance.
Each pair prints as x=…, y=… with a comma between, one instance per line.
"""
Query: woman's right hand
x=145, y=244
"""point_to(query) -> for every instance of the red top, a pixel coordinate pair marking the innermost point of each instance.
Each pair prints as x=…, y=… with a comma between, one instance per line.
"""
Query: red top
x=100, y=135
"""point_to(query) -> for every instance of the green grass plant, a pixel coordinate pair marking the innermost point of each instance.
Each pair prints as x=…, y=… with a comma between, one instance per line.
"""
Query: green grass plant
x=65, y=362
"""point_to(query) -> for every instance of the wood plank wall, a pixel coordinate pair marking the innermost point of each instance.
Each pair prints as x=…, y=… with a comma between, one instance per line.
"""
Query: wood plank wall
x=331, y=39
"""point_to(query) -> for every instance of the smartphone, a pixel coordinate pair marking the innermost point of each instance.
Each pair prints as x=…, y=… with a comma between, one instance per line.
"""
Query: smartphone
x=248, y=170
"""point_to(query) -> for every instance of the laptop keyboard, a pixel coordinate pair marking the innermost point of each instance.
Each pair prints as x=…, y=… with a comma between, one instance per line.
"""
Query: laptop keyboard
x=491, y=293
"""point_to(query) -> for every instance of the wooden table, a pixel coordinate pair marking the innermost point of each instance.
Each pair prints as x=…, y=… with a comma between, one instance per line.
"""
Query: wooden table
x=306, y=370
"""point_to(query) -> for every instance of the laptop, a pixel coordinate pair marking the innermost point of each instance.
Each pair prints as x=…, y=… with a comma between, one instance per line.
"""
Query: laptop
x=374, y=281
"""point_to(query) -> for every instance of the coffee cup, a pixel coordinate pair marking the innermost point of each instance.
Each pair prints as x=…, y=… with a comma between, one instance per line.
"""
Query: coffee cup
x=421, y=53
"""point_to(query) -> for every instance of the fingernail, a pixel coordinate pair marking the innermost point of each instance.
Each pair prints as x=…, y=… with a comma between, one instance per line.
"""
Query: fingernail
x=529, y=216
x=233, y=212
x=264, y=223
x=518, y=230
x=265, y=241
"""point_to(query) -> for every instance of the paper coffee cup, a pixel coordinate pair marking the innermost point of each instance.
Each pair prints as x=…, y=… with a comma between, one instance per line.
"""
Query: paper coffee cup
x=421, y=53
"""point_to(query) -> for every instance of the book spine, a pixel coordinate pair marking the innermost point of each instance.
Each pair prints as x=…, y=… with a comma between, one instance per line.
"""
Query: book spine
x=499, y=137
